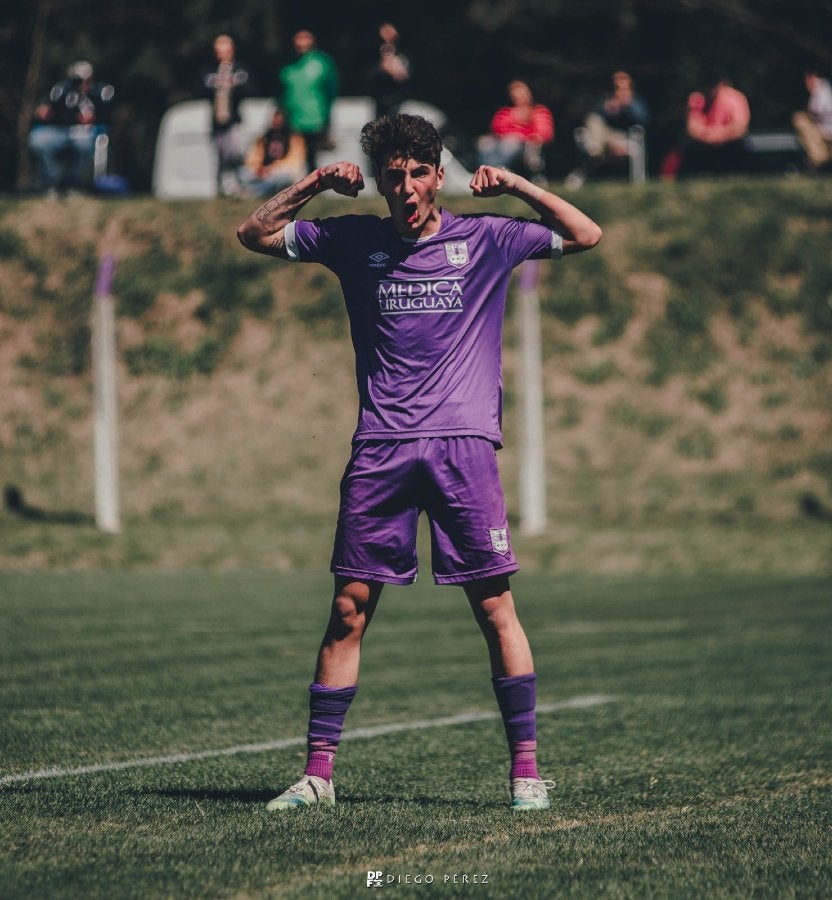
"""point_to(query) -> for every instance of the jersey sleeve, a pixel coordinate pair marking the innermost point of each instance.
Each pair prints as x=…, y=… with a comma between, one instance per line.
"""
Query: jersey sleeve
x=312, y=241
x=520, y=239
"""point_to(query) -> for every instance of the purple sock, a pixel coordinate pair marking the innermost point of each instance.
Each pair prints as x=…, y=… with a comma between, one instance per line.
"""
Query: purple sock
x=327, y=711
x=516, y=696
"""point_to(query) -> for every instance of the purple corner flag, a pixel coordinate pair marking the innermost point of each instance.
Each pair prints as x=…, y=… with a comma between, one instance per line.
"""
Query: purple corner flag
x=104, y=279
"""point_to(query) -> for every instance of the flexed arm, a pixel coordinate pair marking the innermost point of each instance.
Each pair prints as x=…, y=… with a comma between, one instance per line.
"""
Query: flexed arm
x=262, y=232
x=579, y=232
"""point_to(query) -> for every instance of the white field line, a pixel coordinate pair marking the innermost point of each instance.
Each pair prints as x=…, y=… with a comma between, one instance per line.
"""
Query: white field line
x=581, y=702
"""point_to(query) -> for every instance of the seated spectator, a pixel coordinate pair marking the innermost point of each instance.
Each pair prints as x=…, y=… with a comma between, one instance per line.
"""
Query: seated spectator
x=518, y=134
x=716, y=125
x=389, y=82
x=605, y=132
x=814, y=125
x=277, y=159
x=62, y=139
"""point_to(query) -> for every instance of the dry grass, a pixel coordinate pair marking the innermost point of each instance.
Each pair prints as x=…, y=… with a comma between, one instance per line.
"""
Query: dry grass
x=704, y=468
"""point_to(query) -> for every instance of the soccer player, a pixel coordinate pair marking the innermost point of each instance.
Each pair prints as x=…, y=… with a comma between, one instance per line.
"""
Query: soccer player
x=425, y=292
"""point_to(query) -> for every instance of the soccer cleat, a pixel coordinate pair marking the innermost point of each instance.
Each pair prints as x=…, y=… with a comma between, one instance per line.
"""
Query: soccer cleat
x=309, y=791
x=530, y=793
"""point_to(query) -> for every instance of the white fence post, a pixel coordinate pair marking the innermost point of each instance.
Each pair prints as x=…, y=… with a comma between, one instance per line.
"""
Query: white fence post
x=530, y=390
x=107, y=514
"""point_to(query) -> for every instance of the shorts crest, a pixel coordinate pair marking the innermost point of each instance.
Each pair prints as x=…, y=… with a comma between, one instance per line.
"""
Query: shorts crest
x=499, y=539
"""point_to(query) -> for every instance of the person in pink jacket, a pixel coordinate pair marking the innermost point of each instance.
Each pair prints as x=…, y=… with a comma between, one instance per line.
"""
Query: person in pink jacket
x=518, y=133
x=720, y=117
x=716, y=126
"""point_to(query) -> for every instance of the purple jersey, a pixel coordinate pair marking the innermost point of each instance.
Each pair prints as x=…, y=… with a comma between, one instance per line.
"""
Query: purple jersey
x=426, y=316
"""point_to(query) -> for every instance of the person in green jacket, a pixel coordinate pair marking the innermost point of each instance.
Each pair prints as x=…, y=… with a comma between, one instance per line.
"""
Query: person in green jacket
x=309, y=86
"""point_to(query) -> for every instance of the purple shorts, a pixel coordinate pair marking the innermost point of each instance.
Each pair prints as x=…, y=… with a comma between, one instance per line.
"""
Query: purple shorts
x=387, y=484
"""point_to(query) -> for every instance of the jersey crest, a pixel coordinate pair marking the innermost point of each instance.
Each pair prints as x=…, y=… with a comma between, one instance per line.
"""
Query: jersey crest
x=457, y=253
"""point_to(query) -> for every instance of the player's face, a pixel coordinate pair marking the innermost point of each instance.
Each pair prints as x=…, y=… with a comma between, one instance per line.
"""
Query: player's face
x=519, y=93
x=410, y=187
x=303, y=42
x=224, y=49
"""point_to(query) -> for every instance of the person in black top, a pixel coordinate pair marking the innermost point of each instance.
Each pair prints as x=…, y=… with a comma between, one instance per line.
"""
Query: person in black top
x=389, y=83
x=66, y=124
x=225, y=84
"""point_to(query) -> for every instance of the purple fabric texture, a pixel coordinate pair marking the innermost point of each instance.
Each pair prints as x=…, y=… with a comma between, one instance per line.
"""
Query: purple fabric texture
x=328, y=708
x=426, y=317
x=516, y=697
x=454, y=480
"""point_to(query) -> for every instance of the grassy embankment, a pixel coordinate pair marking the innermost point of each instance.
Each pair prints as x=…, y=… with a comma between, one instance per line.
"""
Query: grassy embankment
x=688, y=366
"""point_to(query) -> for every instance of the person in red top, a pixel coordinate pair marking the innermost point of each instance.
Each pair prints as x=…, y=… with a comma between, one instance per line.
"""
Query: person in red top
x=716, y=125
x=720, y=117
x=518, y=133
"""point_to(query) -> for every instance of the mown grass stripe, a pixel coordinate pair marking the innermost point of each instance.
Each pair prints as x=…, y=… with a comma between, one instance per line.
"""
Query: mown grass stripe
x=579, y=702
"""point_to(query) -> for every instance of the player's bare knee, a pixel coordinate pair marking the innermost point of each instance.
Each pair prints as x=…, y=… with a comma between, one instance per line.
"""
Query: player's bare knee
x=346, y=618
x=359, y=593
x=499, y=617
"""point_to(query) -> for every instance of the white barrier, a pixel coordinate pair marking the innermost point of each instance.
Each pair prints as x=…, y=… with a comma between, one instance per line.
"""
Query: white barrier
x=185, y=162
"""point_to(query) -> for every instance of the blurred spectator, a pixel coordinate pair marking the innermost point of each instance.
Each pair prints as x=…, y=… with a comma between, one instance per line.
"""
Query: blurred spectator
x=389, y=84
x=814, y=125
x=309, y=86
x=605, y=134
x=65, y=128
x=225, y=83
x=716, y=124
x=277, y=159
x=518, y=133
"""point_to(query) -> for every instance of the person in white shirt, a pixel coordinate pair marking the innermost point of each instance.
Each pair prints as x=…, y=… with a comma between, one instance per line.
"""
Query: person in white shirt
x=814, y=124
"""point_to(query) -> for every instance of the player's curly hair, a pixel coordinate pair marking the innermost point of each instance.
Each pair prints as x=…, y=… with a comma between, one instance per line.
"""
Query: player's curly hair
x=401, y=135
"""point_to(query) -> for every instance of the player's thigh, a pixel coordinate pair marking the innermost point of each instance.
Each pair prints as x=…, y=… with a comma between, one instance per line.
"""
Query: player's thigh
x=467, y=511
x=377, y=521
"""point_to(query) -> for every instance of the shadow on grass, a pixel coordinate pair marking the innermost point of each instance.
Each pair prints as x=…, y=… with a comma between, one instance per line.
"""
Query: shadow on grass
x=15, y=504
x=240, y=795
x=456, y=803
x=244, y=795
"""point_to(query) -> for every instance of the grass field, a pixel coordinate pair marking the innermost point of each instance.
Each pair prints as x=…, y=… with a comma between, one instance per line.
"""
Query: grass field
x=707, y=772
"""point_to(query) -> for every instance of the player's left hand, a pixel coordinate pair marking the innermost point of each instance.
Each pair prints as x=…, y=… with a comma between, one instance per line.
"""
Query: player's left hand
x=342, y=177
x=489, y=181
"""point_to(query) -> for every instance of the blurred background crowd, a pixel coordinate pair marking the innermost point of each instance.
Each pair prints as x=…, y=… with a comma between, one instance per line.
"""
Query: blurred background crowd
x=560, y=90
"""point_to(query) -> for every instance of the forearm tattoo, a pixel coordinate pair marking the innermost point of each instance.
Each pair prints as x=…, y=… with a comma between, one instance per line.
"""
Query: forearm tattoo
x=284, y=203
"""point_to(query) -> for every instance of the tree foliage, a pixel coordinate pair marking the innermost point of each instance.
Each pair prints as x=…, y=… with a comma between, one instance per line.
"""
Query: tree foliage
x=462, y=55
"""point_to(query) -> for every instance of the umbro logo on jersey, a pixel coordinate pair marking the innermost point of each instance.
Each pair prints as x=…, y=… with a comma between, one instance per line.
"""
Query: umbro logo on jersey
x=378, y=260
